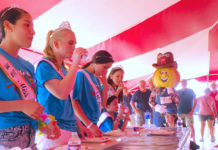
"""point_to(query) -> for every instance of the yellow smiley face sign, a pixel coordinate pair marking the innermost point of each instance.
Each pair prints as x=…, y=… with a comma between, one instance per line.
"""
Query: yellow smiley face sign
x=166, y=77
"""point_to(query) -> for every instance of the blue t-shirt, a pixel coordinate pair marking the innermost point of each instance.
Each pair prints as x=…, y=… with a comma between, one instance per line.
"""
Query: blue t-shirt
x=142, y=99
x=108, y=124
x=84, y=92
x=61, y=109
x=159, y=119
x=8, y=92
x=186, y=101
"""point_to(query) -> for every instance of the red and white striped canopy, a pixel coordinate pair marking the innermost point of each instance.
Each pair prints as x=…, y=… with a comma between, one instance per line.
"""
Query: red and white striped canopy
x=134, y=32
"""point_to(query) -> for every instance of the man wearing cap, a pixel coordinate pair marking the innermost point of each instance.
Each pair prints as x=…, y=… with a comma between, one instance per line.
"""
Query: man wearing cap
x=186, y=107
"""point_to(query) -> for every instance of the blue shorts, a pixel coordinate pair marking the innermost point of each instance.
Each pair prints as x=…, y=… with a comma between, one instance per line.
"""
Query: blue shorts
x=20, y=136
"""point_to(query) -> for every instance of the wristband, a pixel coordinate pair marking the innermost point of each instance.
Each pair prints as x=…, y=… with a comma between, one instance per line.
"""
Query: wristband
x=89, y=126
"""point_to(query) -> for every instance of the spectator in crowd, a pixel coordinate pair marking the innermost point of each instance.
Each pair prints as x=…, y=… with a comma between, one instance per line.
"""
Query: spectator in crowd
x=166, y=99
x=214, y=94
x=139, y=103
x=207, y=112
x=187, y=106
x=171, y=119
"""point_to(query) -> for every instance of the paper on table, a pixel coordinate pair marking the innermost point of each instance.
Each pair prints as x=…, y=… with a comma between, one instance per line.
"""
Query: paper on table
x=161, y=132
x=96, y=140
x=114, y=133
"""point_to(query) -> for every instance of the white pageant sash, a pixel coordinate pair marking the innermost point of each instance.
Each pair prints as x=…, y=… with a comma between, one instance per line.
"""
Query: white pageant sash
x=103, y=117
x=26, y=91
x=97, y=93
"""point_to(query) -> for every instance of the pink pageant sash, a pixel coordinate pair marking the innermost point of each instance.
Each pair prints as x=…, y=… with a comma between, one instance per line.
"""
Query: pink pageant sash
x=110, y=91
x=53, y=66
x=26, y=91
x=97, y=93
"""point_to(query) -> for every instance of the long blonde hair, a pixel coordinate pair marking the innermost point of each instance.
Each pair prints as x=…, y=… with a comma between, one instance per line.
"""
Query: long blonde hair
x=48, y=50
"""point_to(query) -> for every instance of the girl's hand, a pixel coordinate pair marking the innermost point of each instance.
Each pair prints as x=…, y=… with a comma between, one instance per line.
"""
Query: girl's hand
x=120, y=87
x=121, y=111
x=32, y=109
x=126, y=112
x=78, y=53
x=96, y=131
x=85, y=132
x=103, y=78
x=53, y=131
x=127, y=117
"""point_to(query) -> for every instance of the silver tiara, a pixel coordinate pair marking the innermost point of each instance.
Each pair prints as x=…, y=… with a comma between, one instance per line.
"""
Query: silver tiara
x=62, y=26
x=118, y=66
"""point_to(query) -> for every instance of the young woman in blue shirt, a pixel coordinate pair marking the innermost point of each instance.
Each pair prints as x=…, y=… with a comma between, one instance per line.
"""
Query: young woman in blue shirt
x=55, y=83
x=88, y=97
x=112, y=118
x=19, y=111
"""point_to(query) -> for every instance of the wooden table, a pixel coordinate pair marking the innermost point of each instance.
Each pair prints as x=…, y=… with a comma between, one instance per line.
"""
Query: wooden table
x=135, y=141
x=178, y=141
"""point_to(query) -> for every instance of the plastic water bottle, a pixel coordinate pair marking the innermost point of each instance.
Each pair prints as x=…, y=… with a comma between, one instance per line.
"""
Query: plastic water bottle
x=179, y=124
x=84, y=59
x=147, y=118
x=74, y=142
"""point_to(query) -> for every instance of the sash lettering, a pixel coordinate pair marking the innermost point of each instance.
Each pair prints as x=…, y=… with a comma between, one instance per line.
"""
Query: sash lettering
x=26, y=91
